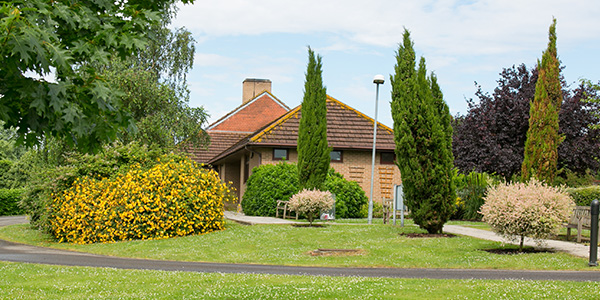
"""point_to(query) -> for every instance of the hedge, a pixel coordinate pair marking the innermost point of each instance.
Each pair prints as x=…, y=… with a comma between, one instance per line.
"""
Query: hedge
x=9, y=198
x=584, y=196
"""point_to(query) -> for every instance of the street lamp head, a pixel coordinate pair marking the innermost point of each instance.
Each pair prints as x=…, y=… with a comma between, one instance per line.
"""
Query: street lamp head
x=378, y=79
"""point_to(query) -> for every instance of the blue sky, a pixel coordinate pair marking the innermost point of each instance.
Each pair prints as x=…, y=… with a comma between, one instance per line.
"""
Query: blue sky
x=462, y=42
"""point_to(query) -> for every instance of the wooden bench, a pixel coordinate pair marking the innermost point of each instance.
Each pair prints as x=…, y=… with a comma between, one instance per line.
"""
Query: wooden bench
x=283, y=206
x=580, y=219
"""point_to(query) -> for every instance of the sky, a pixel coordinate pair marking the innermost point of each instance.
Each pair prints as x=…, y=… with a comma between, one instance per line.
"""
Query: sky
x=463, y=42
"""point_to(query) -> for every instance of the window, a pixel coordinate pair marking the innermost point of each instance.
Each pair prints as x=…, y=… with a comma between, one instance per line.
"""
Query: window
x=336, y=156
x=246, y=167
x=387, y=158
x=280, y=154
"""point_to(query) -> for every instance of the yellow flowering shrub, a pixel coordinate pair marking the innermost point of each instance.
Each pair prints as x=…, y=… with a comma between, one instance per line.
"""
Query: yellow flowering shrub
x=173, y=198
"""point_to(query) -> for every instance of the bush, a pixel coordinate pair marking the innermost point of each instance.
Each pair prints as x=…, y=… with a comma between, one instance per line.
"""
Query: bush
x=584, y=196
x=173, y=198
x=269, y=183
x=266, y=185
x=349, y=196
x=5, y=181
x=311, y=203
x=573, y=179
x=526, y=209
x=53, y=177
x=9, y=199
x=470, y=190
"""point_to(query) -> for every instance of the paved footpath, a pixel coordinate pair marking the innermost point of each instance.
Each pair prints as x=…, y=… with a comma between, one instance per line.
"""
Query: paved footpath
x=15, y=252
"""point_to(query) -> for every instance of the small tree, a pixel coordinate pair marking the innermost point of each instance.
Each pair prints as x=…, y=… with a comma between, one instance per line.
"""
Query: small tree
x=311, y=203
x=531, y=209
x=541, y=147
x=313, y=150
x=423, y=138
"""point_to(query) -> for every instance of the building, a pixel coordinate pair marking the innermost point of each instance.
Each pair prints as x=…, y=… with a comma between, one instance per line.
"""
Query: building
x=263, y=130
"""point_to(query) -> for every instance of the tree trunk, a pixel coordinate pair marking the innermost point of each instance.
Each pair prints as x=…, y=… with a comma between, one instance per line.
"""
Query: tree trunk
x=521, y=244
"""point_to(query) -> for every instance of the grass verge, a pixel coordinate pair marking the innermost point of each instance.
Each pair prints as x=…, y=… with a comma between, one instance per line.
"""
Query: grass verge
x=29, y=281
x=382, y=246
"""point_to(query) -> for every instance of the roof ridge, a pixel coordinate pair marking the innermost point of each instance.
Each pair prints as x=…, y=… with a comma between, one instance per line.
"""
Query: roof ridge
x=274, y=124
x=247, y=103
x=359, y=113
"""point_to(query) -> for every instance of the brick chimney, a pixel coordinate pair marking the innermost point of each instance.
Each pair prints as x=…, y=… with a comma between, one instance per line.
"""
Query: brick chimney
x=252, y=87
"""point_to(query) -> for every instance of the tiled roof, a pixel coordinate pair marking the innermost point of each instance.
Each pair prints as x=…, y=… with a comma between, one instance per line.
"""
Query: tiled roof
x=252, y=115
x=347, y=128
x=219, y=142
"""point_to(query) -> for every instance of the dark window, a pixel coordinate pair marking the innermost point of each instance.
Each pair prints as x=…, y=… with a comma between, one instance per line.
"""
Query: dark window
x=387, y=158
x=336, y=156
x=280, y=154
x=246, y=168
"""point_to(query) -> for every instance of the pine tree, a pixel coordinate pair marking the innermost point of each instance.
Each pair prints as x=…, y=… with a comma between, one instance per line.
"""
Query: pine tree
x=313, y=150
x=423, y=137
x=543, y=138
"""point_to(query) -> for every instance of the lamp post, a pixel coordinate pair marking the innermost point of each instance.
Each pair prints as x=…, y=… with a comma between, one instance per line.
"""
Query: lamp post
x=377, y=80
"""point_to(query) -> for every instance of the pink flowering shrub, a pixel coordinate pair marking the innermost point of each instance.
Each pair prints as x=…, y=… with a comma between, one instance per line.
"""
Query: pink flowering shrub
x=311, y=203
x=531, y=209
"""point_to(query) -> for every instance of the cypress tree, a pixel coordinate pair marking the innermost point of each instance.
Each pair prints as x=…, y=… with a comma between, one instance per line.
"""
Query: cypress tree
x=543, y=138
x=423, y=137
x=313, y=150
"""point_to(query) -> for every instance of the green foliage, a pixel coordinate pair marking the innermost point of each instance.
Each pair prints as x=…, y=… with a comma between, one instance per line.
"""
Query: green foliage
x=423, y=139
x=543, y=138
x=572, y=179
x=349, y=196
x=266, y=185
x=471, y=189
x=313, y=150
x=155, y=91
x=591, y=99
x=583, y=196
x=68, y=41
x=269, y=183
x=9, y=199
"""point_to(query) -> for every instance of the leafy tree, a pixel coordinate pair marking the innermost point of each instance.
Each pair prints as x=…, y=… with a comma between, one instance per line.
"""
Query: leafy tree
x=313, y=150
x=423, y=143
x=162, y=114
x=491, y=137
x=593, y=97
x=68, y=41
x=579, y=121
x=9, y=150
x=543, y=138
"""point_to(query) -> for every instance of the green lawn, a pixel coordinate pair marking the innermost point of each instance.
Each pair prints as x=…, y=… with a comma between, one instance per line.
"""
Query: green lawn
x=28, y=281
x=382, y=246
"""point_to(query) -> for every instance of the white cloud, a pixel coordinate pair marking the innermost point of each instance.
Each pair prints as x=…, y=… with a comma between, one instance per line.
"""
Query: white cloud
x=449, y=26
x=213, y=60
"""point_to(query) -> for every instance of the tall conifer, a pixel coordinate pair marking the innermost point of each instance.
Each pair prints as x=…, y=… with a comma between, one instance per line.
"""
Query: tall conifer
x=313, y=150
x=423, y=139
x=543, y=138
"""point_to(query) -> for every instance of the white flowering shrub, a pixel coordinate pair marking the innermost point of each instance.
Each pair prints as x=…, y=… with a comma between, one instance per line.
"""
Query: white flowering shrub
x=531, y=209
x=311, y=203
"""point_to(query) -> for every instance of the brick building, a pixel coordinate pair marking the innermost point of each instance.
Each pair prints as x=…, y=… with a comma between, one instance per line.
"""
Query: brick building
x=263, y=130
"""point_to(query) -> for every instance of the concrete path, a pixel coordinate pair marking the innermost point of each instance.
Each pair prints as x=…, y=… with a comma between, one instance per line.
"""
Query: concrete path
x=569, y=247
x=15, y=252
x=251, y=220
